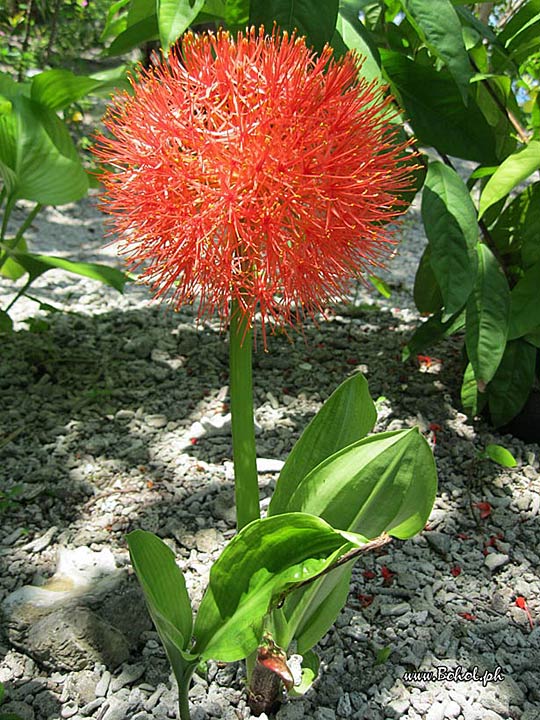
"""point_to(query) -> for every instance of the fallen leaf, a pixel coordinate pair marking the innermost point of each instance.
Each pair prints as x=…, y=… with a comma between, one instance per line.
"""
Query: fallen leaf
x=522, y=604
x=365, y=600
x=484, y=508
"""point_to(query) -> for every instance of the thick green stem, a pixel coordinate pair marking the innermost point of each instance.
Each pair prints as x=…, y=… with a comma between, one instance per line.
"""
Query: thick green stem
x=243, y=426
x=183, y=674
x=183, y=701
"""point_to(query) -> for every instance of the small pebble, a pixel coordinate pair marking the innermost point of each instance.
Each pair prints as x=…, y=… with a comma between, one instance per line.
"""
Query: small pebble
x=495, y=560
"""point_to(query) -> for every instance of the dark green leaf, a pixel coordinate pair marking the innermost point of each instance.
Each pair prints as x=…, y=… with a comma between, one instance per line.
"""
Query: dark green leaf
x=488, y=310
x=510, y=388
x=492, y=96
x=174, y=18
x=431, y=331
x=135, y=35
x=347, y=416
x=512, y=171
x=525, y=308
x=315, y=20
x=450, y=223
x=518, y=227
x=440, y=28
x=533, y=337
x=521, y=34
x=6, y=323
x=437, y=113
x=266, y=559
x=427, y=293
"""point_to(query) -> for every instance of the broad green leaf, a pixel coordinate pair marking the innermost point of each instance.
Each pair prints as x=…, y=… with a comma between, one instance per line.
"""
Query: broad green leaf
x=38, y=160
x=312, y=18
x=174, y=18
x=427, y=294
x=135, y=35
x=11, y=268
x=36, y=265
x=439, y=117
x=525, y=308
x=512, y=171
x=438, y=24
x=162, y=582
x=513, y=381
x=267, y=559
x=347, y=416
x=140, y=10
x=487, y=316
x=518, y=227
x=431, y=331
x=500, y=455
x=56, y=89
x=382, y=483
x=356, y=37
x=166, y=596
x=450, y=223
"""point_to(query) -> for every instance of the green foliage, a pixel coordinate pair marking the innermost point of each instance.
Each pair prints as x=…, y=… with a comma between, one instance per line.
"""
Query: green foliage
x=456, y=80
x=40, y=162
x=339, y=495
x=500, y=455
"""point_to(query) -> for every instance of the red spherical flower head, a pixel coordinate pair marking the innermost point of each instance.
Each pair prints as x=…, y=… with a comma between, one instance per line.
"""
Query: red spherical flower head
x=252, y=170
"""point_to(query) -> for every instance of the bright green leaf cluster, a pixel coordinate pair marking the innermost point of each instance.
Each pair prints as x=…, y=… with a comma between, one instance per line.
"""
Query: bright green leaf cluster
x=339, y=494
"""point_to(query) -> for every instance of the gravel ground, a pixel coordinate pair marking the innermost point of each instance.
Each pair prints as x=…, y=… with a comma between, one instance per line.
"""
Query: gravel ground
x=113, y=419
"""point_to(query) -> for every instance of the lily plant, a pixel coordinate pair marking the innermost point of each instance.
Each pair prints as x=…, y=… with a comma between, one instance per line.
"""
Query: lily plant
x=259, y=178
